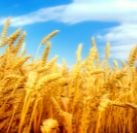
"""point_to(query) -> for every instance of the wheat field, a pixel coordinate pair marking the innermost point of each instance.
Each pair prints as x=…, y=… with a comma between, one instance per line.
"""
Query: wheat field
x=40, y=96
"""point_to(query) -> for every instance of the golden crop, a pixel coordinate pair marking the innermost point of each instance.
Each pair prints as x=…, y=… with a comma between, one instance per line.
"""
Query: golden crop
x=40, y=96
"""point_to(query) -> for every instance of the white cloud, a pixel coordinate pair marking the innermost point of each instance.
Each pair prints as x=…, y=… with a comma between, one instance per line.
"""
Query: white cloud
x=122, y=32
x=41, y=15
x=89, y=10
x=82, y=10
x=122, y=38
x=121, y=51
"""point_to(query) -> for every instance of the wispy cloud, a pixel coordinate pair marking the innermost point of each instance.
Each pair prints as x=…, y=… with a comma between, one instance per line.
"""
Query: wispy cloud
x=122, y=32
x=121, y=51
x=41, y=15
x=81, y=10
x=88, y=10
x=122, y=38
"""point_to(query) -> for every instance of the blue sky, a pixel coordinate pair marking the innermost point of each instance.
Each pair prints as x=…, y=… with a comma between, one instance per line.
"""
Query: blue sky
x=78, y=21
